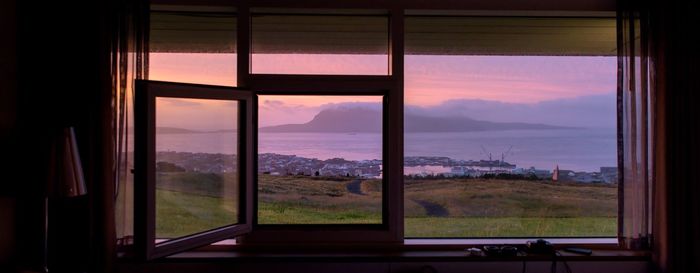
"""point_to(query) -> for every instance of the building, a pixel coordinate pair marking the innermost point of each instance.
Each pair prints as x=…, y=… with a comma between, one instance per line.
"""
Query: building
x=609, y=174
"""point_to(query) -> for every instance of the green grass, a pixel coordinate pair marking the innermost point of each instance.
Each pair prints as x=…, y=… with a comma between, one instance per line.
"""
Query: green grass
x=317, y=200
x=189, y=203
x=179, y=214
x=510, y=227
x=286, y=213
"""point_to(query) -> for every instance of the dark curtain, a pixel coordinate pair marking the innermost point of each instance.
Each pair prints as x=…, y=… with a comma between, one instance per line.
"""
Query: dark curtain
x=673, y=28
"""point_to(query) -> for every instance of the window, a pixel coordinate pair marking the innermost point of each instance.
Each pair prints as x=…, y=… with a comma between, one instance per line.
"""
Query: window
x=371, y=127
x=196, y=165
x=320, y=160
x=193, y=165
x=193, y=45
x=510, y=127
x=189, y=44
x=322, y=166
x=303, y=43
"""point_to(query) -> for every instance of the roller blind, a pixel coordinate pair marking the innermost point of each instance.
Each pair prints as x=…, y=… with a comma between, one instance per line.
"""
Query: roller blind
x=424, y=35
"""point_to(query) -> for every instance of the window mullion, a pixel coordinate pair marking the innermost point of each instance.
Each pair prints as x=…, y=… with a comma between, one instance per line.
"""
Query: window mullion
x=393, y=155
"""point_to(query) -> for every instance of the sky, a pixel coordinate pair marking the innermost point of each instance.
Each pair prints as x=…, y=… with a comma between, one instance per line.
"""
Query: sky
x=558, y=90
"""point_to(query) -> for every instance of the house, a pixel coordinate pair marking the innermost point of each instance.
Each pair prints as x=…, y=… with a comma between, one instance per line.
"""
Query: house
x=609, y=174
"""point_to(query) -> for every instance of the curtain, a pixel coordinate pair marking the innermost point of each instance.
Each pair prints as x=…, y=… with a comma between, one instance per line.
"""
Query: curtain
x=129, y=61
x=676, y=211
x=635, y=127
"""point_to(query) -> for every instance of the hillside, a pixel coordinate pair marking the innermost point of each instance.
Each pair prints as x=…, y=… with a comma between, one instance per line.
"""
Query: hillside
x=433, y=208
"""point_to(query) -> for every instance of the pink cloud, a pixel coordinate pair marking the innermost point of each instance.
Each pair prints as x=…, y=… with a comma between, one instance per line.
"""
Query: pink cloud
x=429, y=80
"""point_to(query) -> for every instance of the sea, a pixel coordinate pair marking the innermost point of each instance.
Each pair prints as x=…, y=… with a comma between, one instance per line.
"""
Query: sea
x=581, y=149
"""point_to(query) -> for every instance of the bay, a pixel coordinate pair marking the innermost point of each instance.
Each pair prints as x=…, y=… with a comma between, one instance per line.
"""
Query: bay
x=574, y=149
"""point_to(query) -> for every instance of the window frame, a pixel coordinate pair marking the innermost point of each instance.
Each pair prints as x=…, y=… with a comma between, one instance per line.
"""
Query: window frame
x=144, y=166
x=310, y=84
x=329, y=233
x=390, y=86
x=310, y=13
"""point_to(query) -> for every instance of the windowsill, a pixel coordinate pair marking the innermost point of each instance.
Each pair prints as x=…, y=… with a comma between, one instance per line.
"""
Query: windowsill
x=413, y=250
x=510, y=241
x=394, y=256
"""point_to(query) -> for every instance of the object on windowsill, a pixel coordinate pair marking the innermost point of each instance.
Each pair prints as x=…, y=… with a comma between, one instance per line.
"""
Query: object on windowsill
x=539, y=247
x=501, y=250
x=474, y=252
x=579, y=250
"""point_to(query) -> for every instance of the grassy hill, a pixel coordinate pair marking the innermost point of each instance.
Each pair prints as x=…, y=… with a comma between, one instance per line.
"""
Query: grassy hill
x=188, y=202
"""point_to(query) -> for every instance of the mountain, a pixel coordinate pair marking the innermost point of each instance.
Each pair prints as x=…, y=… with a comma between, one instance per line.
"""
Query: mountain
x=340, y=120
x=174, y=130
x=363, y=120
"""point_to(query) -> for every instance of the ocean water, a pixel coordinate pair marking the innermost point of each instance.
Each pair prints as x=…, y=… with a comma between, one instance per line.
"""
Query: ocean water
x=573, y=149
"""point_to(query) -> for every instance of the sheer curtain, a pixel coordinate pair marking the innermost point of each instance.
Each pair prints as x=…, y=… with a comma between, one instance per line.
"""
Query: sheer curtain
x=635, y=124
x=129, y=61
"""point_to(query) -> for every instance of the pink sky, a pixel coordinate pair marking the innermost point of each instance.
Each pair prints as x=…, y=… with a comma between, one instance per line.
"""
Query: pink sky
x=429, y=80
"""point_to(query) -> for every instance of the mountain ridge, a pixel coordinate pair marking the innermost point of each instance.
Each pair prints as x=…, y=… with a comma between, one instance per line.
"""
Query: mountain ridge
x=365, y=120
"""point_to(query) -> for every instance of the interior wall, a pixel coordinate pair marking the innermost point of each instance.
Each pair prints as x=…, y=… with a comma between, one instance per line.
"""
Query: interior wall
x=8, y=121
x=57, y=80
x=7, y=232
x=677, y=206
x=8, y=65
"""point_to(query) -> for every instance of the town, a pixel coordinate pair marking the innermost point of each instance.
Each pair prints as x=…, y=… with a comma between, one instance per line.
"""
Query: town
x=414, y=167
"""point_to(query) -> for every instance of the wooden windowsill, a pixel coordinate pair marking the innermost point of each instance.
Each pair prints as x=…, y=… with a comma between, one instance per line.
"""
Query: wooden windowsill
x=412, y=250
x=604, y=249
x=393, y=256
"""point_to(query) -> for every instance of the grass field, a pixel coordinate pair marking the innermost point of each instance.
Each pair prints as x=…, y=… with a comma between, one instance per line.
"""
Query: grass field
x=433, y=208
x=454, y=227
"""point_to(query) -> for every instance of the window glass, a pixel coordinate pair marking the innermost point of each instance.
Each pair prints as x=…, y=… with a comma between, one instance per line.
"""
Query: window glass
x=320, y=44
x=196, y=165
x=320, y=160
x=510, y=127
x=193, y=47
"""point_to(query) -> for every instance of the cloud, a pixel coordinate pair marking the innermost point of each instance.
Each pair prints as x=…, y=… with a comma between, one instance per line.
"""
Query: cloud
x=275, y=112
x=175, y=102
x=292, y=110
x=597, y=111
x=518, y=79
x=584, y=111
x=353, y=105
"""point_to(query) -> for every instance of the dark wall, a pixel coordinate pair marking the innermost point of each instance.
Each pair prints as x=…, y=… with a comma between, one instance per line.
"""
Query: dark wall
x=60, y=59
x=8, y=66
x=678, y=206
x=8, y=122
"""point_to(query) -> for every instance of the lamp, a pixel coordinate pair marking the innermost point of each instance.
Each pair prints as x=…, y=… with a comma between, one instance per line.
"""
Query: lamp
x=66, y=171
x=65, y=176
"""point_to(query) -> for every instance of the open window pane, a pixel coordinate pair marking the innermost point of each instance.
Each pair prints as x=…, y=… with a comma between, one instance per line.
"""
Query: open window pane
x=193, y=171
x=320, y=160
x=197, y=172
x=510, y=127
x=320, y=44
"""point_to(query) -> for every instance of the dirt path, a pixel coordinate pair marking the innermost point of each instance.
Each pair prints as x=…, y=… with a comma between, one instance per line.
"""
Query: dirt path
x=355, y=187
x=433, y=209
